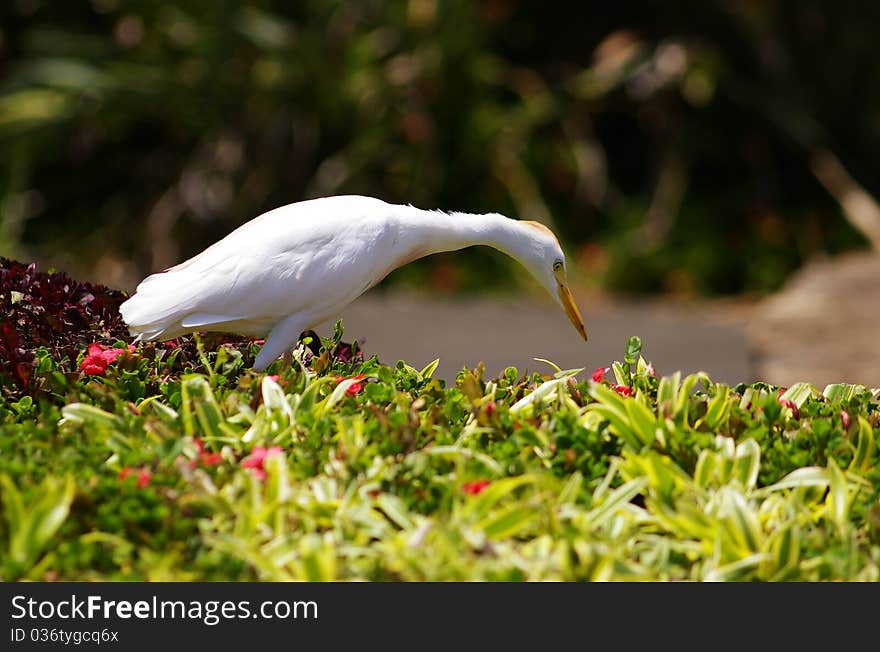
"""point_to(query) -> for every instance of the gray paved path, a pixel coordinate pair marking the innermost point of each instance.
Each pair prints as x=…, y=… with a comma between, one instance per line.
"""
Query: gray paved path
x=503, y=332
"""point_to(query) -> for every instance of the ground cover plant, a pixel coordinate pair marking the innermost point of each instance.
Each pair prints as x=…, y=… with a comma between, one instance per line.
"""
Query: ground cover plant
x=174, y=461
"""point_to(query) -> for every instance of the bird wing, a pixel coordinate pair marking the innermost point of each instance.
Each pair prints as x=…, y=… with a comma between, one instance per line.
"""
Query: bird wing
x=310, y=257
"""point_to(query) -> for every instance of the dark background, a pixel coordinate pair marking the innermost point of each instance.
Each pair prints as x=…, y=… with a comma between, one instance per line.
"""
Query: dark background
x=693, y=148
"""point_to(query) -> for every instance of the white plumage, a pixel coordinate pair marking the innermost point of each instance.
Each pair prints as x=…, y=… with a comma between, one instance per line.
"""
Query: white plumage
x=297, y=266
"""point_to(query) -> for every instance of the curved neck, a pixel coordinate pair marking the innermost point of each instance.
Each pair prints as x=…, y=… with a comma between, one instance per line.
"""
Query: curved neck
x=429, y=232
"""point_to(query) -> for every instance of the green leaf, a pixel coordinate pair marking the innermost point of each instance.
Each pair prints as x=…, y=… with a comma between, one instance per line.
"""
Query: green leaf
x=278, y=489
x=808, y=476
x=718, y=408
x=740, y=521
x=864, y=446
x=799, y=393
x=198, y=405
x=33, y=524
x=274, y=398
x=428, y=371
x=747, y=463
x=611, y=408
x=617, y=498
x=837, y=501
x=51, y=509
x=667, y=391
x=621, y=373
x=544, y=390
x=317, y=559
x=506, y=522
x=336, y=395
x=682, y=400
x=571, y=490
x=784, y=547
x=735, y=571
x=467, y=453
x=641, y=420
x=706, y=468
x=685, y=519
x=556, y=368
x=633, y=349
x=480, y=505
x=13, y=507
x=395, y=509
x=839, y=392
x=88, y=415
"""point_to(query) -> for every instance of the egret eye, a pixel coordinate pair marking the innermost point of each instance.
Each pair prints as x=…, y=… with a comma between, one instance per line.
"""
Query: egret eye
x=557, y=266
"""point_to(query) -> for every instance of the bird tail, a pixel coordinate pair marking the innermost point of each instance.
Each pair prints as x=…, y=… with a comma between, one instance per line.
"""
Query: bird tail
x=156, y=308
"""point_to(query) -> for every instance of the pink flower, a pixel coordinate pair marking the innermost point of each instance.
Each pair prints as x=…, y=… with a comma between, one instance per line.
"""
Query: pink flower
x=475, y=487
x=844, y=419
x=355, y=387
x=623, y=390
x=143, y=475
x=257, y=459
x=599, y=374
x=98, y=358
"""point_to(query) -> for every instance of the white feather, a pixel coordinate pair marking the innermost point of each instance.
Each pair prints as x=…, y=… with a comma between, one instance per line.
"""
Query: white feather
x=296, y=266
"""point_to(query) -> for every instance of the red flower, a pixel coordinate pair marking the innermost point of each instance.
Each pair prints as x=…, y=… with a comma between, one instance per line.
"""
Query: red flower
x=206, y=458
x=143, y=475
x=257, y=459
x=795, y=412
x=844, y=419
x=260, y=341
x=599, y=374
x=355, y=387
x=623, y=390
x=212, y=459
x=475, y=487
x=98, y=358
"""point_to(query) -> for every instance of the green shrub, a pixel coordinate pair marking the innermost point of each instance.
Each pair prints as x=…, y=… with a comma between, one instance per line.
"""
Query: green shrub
x=337, y=467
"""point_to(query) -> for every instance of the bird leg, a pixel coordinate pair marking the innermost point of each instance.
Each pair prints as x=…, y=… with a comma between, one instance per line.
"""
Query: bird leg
x=280, y=339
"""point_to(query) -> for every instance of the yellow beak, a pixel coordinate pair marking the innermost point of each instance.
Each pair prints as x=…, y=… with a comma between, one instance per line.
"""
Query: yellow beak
x=571, y=309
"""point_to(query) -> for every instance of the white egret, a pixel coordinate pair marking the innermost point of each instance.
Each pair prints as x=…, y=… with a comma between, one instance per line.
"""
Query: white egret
x=299, y=265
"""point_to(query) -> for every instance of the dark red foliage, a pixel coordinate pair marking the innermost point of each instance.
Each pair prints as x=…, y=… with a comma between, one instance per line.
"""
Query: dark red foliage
x=71, y=317
x=51, y=310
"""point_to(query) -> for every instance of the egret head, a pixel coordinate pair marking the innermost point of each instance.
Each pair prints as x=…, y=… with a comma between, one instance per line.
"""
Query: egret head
x=547, y=265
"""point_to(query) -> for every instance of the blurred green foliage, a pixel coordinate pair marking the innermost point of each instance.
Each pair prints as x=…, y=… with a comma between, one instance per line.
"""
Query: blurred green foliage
x=668, y=143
